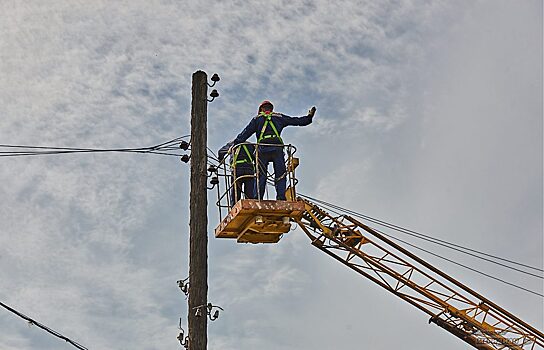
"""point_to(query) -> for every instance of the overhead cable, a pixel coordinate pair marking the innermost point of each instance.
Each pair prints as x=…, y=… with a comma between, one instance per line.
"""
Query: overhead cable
x=168, y=148
x=434, y=240
x=462, y=265
x=45, y=328
x=333, y=209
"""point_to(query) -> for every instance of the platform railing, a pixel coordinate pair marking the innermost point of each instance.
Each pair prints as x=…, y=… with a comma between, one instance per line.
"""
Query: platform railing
x=227, y=195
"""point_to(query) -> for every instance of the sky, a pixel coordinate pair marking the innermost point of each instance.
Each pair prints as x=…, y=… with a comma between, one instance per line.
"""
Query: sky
x=429, y=116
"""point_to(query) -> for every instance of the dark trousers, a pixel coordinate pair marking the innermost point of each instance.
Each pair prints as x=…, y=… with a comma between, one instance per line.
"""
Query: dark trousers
x=245, y=177
x=276, y=158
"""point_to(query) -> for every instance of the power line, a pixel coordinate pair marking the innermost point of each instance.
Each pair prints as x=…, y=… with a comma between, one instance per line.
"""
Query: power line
x=462, y=265
x=45, y=328
x=451, y=261
x=167, y=148
x=30, y=150
x=450, y=246
x=434, y=240
x=212, y=155
x=331, y=208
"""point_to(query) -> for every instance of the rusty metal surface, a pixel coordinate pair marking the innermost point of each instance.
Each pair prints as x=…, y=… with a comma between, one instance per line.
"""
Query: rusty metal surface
x=257, y=237
x=240, y=223
x=271, y=206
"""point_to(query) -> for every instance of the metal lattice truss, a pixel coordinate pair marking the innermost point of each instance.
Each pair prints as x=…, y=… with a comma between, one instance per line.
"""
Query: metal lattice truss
x=450, y=304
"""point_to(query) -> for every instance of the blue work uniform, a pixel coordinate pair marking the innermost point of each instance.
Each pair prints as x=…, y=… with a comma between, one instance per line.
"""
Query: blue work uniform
x=267, y=129
x=243, y=171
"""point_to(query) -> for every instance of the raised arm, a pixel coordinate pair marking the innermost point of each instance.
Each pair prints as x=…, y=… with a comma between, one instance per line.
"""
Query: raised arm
x=299, y=121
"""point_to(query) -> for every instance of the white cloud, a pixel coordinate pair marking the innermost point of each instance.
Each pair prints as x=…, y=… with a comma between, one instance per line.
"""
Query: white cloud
x=91, y=244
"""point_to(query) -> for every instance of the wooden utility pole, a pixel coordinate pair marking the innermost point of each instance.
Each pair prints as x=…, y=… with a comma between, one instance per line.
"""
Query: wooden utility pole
x=198, y=224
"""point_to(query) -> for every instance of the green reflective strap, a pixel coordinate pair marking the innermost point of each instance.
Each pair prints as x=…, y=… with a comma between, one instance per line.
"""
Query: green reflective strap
x=262, y=130
x=235, y=157
x=237, y=153
x=249, y=156
x=276, y=131
x=263, y=136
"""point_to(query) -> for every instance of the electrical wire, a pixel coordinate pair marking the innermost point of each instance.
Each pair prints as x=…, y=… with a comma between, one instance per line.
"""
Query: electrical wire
x=462, y=265
x=210, y=156
x=431, y=239
x=335, y=211
x=213, y=155
x=167, y=148
x=159, y=146
x=45, y=328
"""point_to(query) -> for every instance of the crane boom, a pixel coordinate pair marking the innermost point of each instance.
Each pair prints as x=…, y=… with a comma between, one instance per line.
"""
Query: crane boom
x=450, y=304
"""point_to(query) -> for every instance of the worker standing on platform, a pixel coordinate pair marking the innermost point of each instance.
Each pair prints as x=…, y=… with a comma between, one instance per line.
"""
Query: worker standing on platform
x=243, y=170
x=267, y=127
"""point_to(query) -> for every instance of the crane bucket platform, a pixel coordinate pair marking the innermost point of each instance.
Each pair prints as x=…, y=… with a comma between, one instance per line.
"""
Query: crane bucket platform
x=245, y=213
x=259, y=221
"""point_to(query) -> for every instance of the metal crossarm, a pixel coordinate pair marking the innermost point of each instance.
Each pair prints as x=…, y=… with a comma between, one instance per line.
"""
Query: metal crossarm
x=450, y=304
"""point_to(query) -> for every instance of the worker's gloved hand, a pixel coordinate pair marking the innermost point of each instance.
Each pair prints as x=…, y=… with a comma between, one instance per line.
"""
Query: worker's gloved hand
x=311, y=112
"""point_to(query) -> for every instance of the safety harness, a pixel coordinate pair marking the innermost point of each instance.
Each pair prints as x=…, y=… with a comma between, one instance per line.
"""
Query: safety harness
x=236, y=161
x=268, y=121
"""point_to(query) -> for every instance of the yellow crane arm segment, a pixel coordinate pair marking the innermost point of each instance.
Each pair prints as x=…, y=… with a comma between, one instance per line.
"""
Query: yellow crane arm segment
x=450, y=304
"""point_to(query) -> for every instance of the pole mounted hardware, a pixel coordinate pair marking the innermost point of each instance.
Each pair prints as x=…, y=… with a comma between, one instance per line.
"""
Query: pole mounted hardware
x=212, y=169
x=215, y=79
x=208, y=309
x=213, y=95
x=214, y=181
x=184, y=145
x=184, y=286
x=182, y=338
